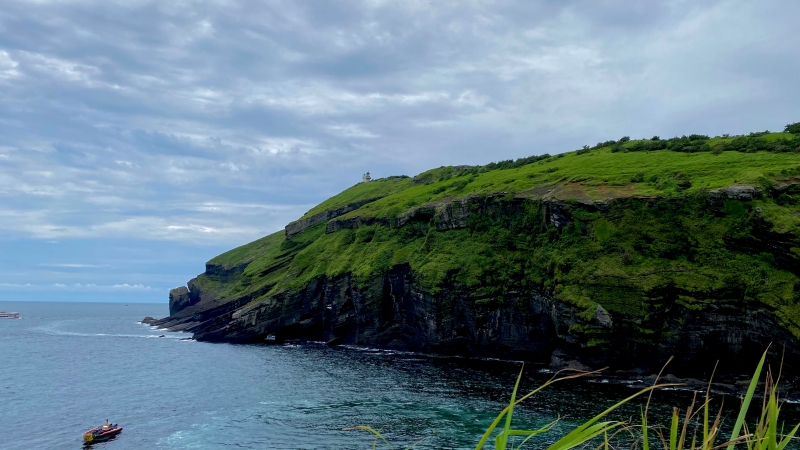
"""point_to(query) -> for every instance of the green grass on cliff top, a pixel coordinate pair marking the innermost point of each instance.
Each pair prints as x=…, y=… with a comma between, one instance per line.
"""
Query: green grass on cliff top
x=598, y=174
x=267, y=246
x=594, y=175
x=362, y=191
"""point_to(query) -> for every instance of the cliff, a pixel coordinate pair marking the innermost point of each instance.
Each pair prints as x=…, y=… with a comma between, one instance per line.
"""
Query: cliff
x=622, y=255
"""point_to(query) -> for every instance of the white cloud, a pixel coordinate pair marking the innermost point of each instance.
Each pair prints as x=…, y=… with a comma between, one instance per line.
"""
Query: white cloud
x=214, y=227
x=76, y=287
x=58, y=68
x=471, y=98
x=8, y=67
x=73, y=265
x=351, y=130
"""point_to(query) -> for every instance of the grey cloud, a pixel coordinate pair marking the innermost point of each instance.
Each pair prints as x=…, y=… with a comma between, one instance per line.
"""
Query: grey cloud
x=113, y=113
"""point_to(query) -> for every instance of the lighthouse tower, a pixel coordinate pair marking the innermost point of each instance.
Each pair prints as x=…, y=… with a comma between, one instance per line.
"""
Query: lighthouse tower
x=366, y=177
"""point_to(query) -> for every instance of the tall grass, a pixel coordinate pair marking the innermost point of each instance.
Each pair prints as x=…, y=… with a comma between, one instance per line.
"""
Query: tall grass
x=686, y=430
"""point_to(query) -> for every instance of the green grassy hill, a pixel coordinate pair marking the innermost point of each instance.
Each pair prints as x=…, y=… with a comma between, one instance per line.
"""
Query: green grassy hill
x=598, y=174
x=613, y=170
x=635, y=227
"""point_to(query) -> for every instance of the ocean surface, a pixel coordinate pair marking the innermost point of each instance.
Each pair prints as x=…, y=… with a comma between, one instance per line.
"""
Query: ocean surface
x=66, y=367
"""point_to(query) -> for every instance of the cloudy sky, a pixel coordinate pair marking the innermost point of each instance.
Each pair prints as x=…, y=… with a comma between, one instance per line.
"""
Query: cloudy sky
x=138, y=139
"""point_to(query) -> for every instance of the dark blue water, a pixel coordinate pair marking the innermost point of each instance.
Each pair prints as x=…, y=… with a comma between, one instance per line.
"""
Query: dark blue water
x=66, y=367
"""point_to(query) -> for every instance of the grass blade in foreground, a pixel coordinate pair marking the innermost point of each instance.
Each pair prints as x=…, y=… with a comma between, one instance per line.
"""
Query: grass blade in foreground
x=377, y=434
x=589, y=430
x=746, y=403
x=505, y=410
x=501, y=440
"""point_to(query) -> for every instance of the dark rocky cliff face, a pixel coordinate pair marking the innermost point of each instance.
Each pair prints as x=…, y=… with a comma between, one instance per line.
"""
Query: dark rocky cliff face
x=179, y=299
x=394, y=312
x=526, y=321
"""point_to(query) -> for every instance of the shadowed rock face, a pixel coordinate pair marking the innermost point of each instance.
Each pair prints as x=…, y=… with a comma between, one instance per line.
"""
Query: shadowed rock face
x=301, y=225
x=736, y=192
x=179, y=299
x=453, y=214
x=393, y=311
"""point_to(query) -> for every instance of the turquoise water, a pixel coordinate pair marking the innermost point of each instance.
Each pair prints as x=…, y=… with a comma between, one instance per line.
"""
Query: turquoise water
x=65, y=367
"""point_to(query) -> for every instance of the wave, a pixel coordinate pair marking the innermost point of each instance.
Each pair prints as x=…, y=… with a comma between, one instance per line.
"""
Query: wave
x=54, y=332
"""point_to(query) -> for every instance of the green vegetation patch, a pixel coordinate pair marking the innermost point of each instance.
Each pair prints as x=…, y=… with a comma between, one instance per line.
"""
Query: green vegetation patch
x=260, y=247
x=599, y=174
x=363, y=191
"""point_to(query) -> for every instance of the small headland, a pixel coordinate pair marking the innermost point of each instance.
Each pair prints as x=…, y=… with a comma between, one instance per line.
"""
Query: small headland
x=618, y=255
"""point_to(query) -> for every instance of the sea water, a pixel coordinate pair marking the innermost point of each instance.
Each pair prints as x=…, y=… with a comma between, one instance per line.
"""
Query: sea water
x=66, y=367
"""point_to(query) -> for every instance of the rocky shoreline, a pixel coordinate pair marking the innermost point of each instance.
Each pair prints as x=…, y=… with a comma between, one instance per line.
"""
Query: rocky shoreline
x=396, y=312
x=725, y=385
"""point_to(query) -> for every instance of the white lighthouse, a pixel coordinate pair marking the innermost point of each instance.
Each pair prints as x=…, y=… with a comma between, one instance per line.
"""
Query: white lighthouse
x=366, y=177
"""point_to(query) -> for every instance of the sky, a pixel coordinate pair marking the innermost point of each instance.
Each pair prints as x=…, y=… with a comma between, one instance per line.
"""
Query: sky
x=139, y=139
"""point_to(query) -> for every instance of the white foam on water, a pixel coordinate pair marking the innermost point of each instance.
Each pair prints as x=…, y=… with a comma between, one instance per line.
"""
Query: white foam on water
x=53, y=331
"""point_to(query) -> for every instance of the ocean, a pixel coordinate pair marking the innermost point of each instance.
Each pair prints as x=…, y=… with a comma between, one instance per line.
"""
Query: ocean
x=66, y=367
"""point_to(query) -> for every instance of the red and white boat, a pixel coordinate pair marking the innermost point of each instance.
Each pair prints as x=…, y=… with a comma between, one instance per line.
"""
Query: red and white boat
x=9, y=315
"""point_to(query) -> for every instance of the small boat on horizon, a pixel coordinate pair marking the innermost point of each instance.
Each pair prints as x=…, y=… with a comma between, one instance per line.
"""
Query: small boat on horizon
x=9, y=315
x=101, y=434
